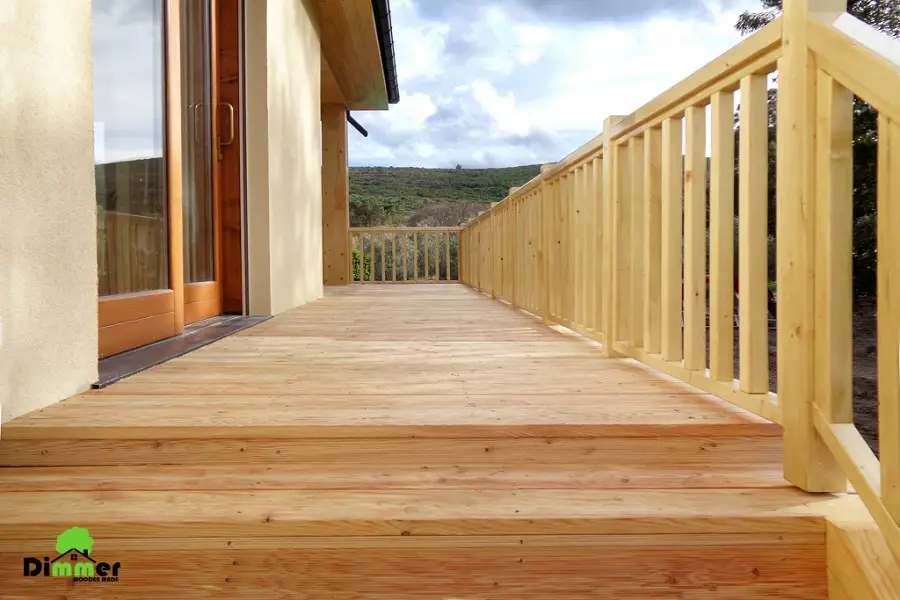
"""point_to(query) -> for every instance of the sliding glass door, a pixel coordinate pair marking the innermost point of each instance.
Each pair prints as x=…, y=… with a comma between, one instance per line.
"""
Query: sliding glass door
x=155, y=154
x=200, y=159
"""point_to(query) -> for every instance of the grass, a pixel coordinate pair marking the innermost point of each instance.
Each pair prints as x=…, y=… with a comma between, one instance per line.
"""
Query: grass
x=385, y=196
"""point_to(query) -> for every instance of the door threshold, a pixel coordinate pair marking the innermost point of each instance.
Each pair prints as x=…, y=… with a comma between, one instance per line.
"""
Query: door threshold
x=196, y=335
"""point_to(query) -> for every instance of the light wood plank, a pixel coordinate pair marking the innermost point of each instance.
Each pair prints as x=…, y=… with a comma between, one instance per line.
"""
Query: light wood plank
x=638, y=277
x=721, y=239
x=652, y=240
x=753, y=237
x=623, y=241
x=672, y=348
x=889, y=313
x=695, y=239
x=834, y=251
x=808, y=462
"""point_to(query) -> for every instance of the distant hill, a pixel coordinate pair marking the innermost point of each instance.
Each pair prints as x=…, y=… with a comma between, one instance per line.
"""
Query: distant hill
x=381, y=196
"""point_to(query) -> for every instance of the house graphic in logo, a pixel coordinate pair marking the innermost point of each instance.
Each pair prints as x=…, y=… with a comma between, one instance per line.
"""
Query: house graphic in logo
x=75, y=547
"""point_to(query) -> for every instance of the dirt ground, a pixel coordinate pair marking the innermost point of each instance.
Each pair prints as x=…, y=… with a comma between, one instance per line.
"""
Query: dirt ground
x=865, y=369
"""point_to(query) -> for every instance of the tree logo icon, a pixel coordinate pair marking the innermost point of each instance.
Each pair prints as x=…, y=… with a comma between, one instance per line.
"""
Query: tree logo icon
x=76, y=538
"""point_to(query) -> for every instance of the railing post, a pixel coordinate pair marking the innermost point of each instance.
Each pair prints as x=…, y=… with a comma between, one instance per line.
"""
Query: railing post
x=609, y=237
x=543, y=253
x=513, y=224
x=492, y=234
x=808, y=463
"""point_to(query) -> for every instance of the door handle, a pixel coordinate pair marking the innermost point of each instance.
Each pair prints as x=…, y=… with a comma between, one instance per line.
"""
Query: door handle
x=230, y=139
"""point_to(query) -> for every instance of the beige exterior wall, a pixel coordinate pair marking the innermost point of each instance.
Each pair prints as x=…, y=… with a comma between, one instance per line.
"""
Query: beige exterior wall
x=48, y=255
x=283, y=149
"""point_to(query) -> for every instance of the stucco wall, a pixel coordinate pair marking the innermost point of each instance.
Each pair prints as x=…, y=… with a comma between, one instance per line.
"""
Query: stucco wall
x=48, y=256
x=284, y=185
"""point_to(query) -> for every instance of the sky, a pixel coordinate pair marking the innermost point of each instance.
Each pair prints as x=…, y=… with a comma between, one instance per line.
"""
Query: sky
x=483, y=83
x=498, y=83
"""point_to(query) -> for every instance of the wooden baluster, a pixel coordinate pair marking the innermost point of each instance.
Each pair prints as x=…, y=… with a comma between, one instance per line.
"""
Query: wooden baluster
x=405, y=260
x=543, y=252
x=565, y=240
x=721, y=240
x=695, y=239
x=437, y=256
x=393, y=257
x=590, y=246
x=671, y=239
x=753, y=239
x=638, y=276
x=427, y=264
x=372, y=256
x=383, y=244
x=569, y=247
x=652, y=239
x=579, y=249
x=623, y=237
x=834, y=251
x=599, y=237
x=415, y=256
x=888, y=306
x=447, y=255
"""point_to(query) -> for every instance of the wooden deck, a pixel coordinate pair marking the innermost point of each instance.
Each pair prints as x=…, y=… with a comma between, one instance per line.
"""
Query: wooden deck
x=410, y=441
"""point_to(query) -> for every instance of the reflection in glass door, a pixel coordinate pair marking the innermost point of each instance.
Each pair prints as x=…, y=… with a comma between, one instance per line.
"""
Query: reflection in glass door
x=129, y=146
x=198, y=140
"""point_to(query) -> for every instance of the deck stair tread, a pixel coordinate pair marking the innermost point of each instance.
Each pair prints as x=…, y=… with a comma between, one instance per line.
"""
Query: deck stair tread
x=273, y=476
x=408, y=512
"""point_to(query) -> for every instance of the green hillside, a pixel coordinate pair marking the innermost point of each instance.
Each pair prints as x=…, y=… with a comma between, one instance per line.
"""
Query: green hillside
x=381, y=196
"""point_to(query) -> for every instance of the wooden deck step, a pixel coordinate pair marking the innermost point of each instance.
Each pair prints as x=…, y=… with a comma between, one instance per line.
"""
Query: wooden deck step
x=274, y=476
x=365, y=512
x=710, y=451
x=543, y=567
x=429, y=543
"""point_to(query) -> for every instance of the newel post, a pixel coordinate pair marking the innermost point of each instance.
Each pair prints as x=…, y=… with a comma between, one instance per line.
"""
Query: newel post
x=543, y=253
x=608, y=206
x=513, y=223
x=808, y=463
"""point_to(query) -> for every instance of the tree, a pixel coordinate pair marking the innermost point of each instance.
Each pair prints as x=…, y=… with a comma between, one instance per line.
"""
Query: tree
x=881, y=14
x=884, y=15
x=76, y=538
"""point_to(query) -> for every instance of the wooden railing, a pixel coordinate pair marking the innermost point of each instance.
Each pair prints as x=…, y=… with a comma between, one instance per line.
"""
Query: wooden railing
x=404, y=254
x=612, y=242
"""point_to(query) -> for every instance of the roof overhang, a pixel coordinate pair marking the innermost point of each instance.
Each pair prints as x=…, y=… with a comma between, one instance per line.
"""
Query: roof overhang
x=358, y=65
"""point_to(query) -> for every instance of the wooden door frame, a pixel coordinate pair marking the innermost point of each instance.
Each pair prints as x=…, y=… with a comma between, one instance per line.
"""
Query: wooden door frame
x=203, y=300
x=126, y=321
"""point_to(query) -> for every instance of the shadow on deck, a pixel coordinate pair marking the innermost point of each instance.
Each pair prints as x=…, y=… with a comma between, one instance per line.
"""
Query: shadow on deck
x=423, y=439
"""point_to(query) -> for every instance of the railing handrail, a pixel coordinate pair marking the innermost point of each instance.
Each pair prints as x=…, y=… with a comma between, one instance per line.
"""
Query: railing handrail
x=589, y=242
x=403, y=229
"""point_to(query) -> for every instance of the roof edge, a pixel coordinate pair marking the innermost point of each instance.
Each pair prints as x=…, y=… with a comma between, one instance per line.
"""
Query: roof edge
x=382, y=10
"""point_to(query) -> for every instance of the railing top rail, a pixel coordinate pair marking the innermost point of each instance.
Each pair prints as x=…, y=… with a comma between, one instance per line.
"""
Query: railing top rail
x=754, y=53
x=861, y=58
x=403, y=229
x=758, y=52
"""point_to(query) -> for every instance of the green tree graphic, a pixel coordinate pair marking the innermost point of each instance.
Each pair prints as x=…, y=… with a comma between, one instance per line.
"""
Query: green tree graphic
x=77, y=538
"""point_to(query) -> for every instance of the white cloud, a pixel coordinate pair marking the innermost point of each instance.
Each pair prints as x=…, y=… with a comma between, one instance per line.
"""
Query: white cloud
x=501, y=86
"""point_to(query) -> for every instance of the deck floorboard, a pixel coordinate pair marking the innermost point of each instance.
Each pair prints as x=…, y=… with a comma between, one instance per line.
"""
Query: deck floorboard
x=410, y=442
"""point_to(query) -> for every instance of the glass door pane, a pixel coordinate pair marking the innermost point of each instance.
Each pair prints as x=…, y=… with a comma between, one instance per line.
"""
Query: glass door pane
x=129, y=157
x=199, y=142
